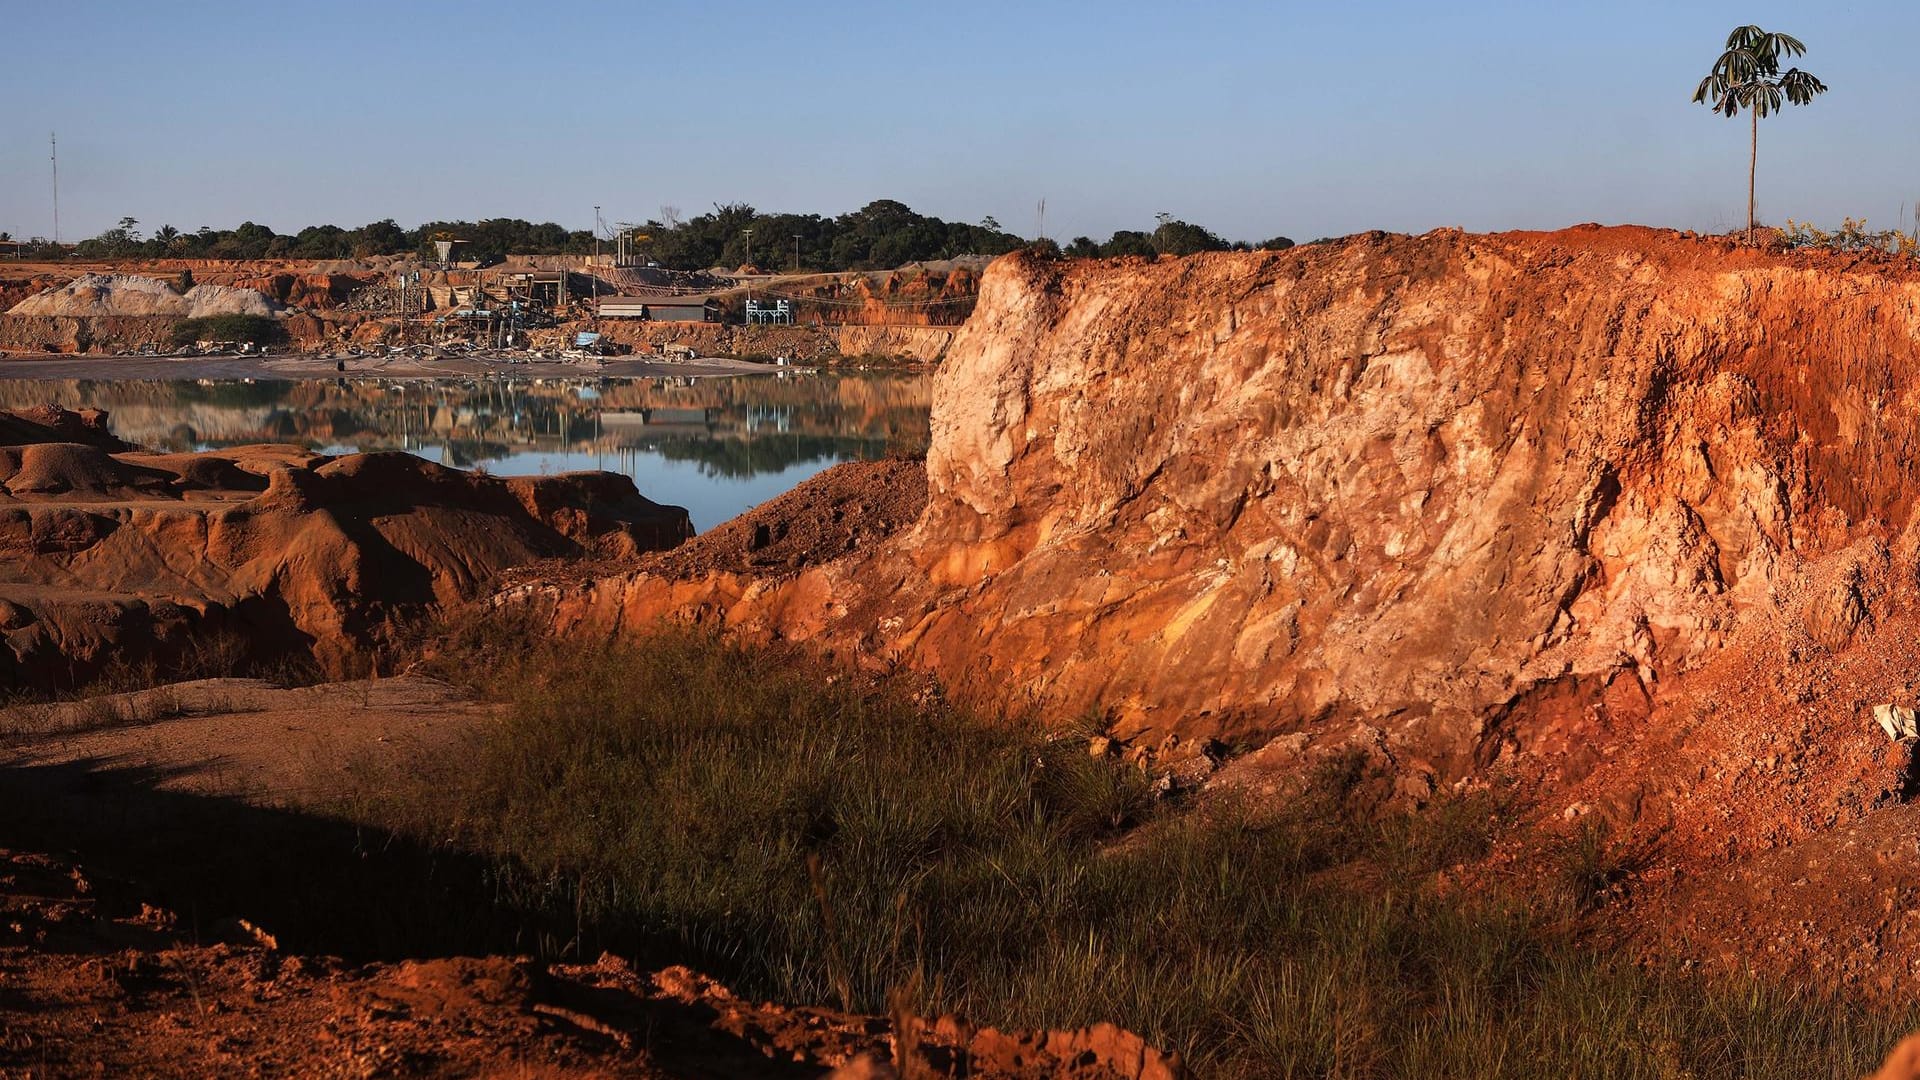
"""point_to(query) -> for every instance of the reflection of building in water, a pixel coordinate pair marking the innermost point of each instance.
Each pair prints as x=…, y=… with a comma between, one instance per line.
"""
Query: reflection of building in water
x=779, y=417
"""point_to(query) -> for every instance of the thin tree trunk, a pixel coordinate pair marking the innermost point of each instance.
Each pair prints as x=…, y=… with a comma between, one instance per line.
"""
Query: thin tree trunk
x=1753, y=162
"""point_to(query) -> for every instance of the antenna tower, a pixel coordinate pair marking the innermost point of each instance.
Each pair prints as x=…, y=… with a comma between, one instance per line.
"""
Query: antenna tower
x=53, y=145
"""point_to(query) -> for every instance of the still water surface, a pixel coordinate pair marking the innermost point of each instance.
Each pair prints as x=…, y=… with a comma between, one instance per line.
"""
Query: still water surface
x=713, y=445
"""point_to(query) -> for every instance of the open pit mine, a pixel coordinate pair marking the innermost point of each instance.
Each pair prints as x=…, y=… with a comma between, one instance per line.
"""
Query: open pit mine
x=1623, y=518
x=1625, y=512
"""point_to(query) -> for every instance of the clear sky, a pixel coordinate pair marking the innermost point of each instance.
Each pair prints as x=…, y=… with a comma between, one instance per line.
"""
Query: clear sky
x=1254, y=119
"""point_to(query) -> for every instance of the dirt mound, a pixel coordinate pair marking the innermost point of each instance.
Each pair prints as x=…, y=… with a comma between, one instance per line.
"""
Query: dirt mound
x=133, y=295
x=129, y=557
x=205, y=300
x=100, y=982
x=828, y=516
x=200, y=472
x=51, y=423
x=106, y=294
x=74, y=469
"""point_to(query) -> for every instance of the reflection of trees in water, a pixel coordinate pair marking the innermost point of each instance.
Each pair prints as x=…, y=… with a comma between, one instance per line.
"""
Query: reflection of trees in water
x=732, y=427
x=738, y=459
x=467, y=453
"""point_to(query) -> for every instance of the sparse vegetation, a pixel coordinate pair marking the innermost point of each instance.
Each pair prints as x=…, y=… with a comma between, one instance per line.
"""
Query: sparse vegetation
x=258, y=329
x=1852, y=235
x=665, y=799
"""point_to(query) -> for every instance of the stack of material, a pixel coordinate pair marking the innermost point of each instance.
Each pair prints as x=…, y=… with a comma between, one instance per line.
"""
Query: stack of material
x=130, y=294
x=382, y=298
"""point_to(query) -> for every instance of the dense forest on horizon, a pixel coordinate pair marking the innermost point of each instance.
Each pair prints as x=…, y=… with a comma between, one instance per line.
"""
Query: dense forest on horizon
x=881, y=235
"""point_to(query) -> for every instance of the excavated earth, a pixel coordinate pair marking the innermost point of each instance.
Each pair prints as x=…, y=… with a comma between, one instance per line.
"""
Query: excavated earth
x=1626, y=514
x=115, y=556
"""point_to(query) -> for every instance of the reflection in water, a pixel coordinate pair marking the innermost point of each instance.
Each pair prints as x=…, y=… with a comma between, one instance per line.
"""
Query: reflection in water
x=715, y=446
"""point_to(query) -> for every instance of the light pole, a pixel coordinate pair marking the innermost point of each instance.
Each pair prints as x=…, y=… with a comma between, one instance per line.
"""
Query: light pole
x=749, y=233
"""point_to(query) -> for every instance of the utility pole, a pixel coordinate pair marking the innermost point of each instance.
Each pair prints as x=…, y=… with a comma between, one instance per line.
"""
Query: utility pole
x=596, y=267
x=53, y=144
x=796, y=253
x=749, y=233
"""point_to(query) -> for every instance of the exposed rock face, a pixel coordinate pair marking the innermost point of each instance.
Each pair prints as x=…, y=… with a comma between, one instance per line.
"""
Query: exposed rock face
x=82, y=333
x=923, y=343
x=1429, y=484
x=124, y=556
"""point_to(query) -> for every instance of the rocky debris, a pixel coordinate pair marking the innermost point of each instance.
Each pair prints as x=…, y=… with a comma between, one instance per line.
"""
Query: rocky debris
x=384, y=298
x=304, y=290
x=133, y=295
x=97, y=982
x=839, y=511
x=14, y=290
x=126, y=556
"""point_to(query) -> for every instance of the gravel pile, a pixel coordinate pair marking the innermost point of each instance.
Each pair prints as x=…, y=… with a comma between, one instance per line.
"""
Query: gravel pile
x=131, y=294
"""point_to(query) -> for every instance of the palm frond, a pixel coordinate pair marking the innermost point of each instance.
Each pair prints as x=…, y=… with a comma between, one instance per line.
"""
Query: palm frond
x=1801, y=86
x=1786, y=43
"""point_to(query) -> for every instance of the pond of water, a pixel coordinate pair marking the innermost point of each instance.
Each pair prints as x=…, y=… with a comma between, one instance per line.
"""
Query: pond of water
x=716, y=446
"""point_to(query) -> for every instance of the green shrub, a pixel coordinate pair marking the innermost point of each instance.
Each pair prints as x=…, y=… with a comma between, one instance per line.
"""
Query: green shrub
x=258, y=329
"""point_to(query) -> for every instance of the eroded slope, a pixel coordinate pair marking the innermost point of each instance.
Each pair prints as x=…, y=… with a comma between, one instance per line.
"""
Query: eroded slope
x=1629, y=508
x=115, y=556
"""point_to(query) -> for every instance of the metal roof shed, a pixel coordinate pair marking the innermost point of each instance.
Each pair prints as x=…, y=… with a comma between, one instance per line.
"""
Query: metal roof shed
x=695, y=308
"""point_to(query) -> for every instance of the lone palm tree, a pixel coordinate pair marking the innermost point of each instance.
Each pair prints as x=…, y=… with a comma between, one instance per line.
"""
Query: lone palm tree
x=1748, y=76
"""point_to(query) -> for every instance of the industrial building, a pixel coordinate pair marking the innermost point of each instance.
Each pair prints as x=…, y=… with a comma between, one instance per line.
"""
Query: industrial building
x=693, y=308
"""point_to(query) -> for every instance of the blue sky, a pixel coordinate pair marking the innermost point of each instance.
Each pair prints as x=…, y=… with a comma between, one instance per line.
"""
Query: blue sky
x=1300, y=119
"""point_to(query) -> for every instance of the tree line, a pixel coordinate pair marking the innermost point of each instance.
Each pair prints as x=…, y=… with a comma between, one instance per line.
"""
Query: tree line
x=250, y=240
x=881, y=235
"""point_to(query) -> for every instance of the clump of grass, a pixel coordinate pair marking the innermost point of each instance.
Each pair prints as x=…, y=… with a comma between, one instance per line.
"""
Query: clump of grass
x=812, y=836
x=1592, y=865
